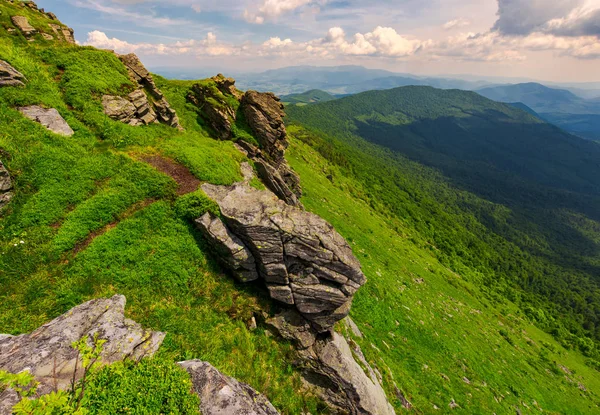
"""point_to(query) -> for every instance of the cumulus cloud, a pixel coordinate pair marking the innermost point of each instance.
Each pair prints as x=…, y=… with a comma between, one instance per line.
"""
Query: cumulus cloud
x=271, y=9
x=557, y=17
x=209, y=46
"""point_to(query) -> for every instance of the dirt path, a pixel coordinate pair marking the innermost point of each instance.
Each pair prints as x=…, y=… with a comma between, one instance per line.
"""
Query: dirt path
x=186, y=181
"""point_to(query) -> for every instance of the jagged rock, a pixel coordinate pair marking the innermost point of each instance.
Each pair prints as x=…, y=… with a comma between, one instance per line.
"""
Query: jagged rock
x=118, y=108
x=47, y=352
x=5, y=190
x=68, y=35
x=23, y=25
x=49, y=118
x=236, y=257
x=159, y=109
x=264, y=114
x=215, y=109
x=292, y=326
x=222, y=395
x=301, y=257
x=9, y=76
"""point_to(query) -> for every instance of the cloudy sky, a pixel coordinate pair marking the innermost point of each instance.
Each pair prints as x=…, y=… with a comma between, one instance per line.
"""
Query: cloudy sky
x=542, y=39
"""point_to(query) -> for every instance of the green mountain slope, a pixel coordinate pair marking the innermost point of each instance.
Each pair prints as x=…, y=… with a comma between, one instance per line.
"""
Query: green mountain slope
x=92, y=218
x=308, y=97
x=516, y=200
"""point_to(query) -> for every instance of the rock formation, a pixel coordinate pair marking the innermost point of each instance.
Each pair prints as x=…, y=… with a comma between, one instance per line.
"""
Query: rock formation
x=9, y=76
x=144, y=110
x=49, y=118
x=302, y=259
x=220, y=103
x=22, y=23
x=329, y=366
x=222, y=395
x=5, y=189
x=47, y=353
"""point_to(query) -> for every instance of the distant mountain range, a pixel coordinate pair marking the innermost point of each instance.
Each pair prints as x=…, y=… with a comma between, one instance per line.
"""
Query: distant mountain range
x=558, y=106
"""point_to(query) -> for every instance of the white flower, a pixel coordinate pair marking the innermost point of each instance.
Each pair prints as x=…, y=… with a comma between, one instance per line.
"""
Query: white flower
x=22, y=242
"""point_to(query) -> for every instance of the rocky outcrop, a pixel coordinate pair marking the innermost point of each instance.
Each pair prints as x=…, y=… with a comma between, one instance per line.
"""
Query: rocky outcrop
x=133, y=110
x=329, y=366
x=9, y=76
x=158, y=105
x=6, y=186
x=49, y=118
x=222, y=395
x=302, y=259
x=220, y=103
x=62, y=32
x=47, y=353
x=22, y=23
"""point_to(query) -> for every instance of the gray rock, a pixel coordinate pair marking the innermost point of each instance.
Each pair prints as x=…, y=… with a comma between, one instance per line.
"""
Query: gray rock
x=9, y=76
x=237, y=258
x=264, y=114
x=222, y=395
x=336, y=362
x=49, y=118
x=134, y=110
x=23, y=25
x=301, y=257
x=5, y=188
x=160, y=109
x=118, y=108
x=353, y=327
x=47, y=352
x=292, y=326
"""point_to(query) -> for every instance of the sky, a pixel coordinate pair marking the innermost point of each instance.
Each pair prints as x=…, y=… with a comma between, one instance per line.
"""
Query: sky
x=552, y=40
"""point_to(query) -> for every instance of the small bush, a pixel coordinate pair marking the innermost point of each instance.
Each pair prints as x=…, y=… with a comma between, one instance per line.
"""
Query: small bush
x=194, y=205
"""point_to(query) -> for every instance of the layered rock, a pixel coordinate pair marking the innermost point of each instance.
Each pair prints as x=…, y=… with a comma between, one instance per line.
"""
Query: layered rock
x=222, y=395
x=147, y=111
x=61, y=32
x=302, y=259
x=47, y=353
x=6, y=186
x=49, y=118
x=220, y=102
x=9, y=76
x=329, y=365
x=133, y=110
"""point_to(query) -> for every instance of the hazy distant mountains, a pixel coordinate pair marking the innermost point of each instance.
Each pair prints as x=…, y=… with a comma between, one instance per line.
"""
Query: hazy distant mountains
x=560, y=107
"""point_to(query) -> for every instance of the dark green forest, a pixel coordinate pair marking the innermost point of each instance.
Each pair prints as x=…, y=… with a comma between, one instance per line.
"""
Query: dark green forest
x=499, y=196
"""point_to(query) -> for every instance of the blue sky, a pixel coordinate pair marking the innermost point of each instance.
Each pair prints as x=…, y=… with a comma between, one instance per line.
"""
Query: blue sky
x=542, y=39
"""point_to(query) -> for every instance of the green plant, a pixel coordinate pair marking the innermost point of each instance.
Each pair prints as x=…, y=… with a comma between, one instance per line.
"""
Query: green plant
x=194, y=205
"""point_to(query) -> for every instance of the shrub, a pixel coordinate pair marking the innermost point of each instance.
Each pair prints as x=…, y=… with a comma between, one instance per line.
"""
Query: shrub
x=194, y=205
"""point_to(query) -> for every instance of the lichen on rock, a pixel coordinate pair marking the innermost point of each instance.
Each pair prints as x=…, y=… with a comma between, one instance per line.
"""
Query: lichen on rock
x=49, y=118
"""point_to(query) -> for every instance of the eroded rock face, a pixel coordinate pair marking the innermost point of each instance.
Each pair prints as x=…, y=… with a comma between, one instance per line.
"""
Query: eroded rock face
x=47, y=352
x=215, y=108
x=133, y=110
x=9, y=76
x=301, y=257
x=49, y=118
x=222, y=395
x=264, y=114
x=6, y=186
x=159, y=110
x=329, y=365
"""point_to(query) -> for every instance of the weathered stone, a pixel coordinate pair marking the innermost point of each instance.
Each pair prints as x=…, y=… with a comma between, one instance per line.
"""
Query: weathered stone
x=159, y=108
x=47, y=353
x=223, y=395
x=9, y=76
x=214, y=109
x=23, y=25
x=301, y=257
x=49, y=118
x=118, y=108
x=68, y=35
x=353, y=327
x=292, y=326
x=47, y=36
x=5, y=180
x=336, y=362
x=264, y=114
x=231, y=250
x=5, y=199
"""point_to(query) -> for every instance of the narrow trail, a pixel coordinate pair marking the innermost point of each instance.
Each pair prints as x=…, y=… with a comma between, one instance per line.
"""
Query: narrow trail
x=186, y=181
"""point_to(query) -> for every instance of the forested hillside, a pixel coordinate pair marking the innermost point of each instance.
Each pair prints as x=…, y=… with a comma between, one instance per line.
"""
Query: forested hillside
x=516, y=200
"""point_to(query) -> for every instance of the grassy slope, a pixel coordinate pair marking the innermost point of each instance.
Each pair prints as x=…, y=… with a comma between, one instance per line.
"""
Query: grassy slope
x=427, y=335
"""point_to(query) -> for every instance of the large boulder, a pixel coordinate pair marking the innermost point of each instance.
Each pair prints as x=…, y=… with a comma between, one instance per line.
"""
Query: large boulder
x=159, y=109
x=49, y=118
x=5, y=189
x=47, y=353
x=9, y=76
x=222, y=395
x=300, y=256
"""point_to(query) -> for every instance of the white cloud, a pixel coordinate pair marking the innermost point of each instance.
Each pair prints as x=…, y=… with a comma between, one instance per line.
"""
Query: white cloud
x=271, y=9
x=456, y=23
x=197, y=8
